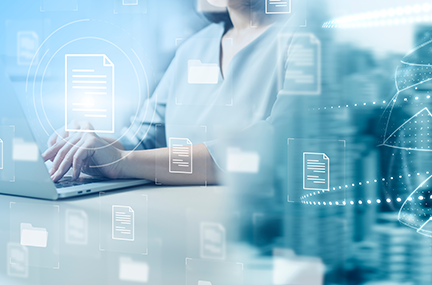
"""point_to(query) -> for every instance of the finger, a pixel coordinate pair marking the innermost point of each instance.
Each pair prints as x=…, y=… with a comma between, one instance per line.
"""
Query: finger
x=79, y=161
x=63, y=135
x=82, y=156
x=56, y=136
x=51, y=153
x=66, y=163
x=52, y=139
x=63, y=152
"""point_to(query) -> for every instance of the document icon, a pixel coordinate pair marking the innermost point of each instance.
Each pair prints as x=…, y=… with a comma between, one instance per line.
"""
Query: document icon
x=200, y=73
x=316, y=171
x=17, y=264
x=302, y=66
x=76, y=227
x=89, y=91
x=212, y=240
x=201, y=282
x=1, y=154
x=129, y=2
x=180, y=156
x=242, y=161
x=27, y=45
x=277, y=6
x=134, y=271
x=123, y=223
x=31, y=236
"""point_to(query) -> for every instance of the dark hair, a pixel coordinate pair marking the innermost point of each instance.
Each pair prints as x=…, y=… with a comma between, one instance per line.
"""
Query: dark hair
x=253, y=6
x=218, y=17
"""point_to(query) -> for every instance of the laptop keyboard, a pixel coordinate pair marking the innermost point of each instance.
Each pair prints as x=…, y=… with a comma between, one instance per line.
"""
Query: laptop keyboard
x=68, y=182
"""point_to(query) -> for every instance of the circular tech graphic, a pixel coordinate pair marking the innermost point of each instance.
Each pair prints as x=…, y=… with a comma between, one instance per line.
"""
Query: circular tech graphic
x=92, y=71
x=407, y=133
x=406, y=120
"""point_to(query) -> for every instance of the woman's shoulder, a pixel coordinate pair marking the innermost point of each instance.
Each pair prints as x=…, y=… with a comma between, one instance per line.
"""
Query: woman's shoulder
x=203, y=38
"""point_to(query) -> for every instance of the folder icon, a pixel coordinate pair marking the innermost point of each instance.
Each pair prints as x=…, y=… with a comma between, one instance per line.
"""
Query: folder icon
x=24, y=151
x=200, y=73
x=31, y=236
x=130, y=2
x=242, y=161
x=134, y=271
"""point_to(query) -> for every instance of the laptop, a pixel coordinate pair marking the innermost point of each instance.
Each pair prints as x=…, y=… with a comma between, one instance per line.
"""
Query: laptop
x=22, y=169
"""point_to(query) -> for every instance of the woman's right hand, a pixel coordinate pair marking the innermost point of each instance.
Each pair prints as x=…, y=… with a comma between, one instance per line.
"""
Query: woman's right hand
x=84, y=151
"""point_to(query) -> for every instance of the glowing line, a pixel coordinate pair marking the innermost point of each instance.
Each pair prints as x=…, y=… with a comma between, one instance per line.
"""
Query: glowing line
x=425, y=108
x=408, y=199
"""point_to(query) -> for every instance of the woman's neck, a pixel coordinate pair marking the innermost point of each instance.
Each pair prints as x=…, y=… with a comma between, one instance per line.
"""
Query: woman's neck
x=241, y=19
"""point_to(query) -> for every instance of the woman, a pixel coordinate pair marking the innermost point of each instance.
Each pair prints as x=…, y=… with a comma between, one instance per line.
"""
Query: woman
x=242, y=94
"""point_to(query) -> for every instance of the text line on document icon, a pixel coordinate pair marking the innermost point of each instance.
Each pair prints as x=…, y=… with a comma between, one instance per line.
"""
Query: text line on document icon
x=277, y=6
x=316, y=171
x=123, y=223
x=180, y=156
x=89, y=91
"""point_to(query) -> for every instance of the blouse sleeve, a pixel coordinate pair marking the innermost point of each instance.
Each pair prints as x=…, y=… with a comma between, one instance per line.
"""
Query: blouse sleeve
x=148, y=130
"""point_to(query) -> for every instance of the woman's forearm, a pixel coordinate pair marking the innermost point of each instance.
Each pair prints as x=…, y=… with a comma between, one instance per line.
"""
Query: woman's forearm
x=114, y=143
x=154, y=165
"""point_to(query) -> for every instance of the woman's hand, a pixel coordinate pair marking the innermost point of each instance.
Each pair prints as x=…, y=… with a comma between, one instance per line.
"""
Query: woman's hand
x=84, y=151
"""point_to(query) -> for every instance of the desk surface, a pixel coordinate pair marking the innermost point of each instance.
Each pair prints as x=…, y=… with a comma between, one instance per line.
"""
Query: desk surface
x=83, y=246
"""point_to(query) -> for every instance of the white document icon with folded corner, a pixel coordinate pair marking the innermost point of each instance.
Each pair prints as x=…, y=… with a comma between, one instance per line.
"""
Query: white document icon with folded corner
x=202, y=282
x=301, y=74
x=32, y=236
x=76, y=227
x=134, y=271
x=213, y=239
x=201, y=73
x=27, y=46
x=17, y=256
x=242, y=161
x=89, y=91
x=123, y=223
x=316, y=171
x=180, y=156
